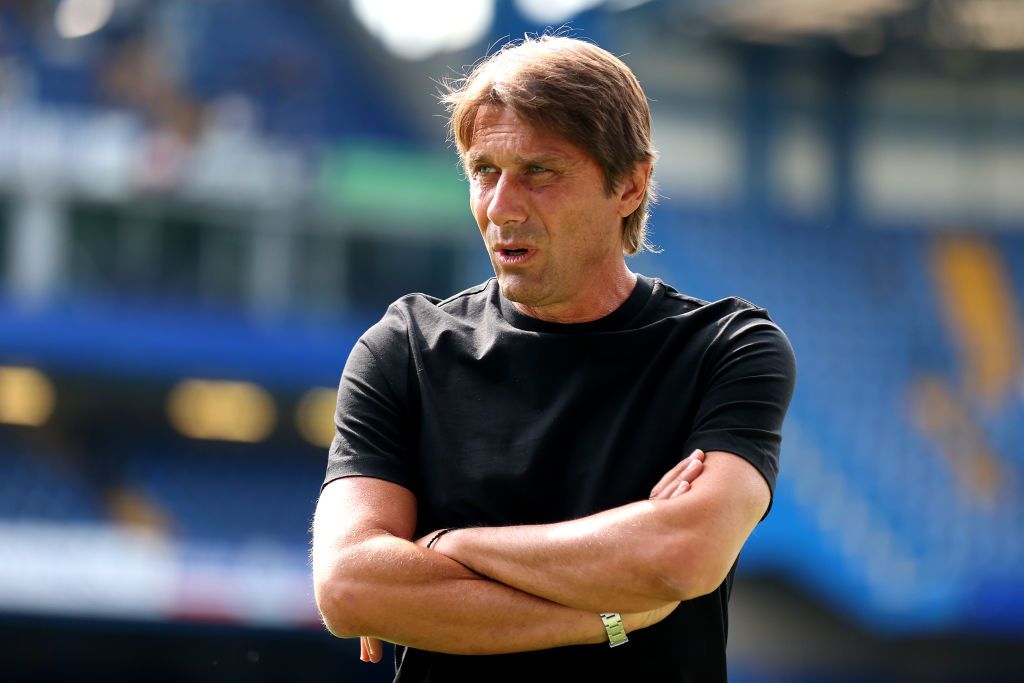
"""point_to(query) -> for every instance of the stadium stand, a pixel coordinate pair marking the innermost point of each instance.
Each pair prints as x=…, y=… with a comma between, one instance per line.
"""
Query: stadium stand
x=905, y=485
x=35, y=487
x=215, y=495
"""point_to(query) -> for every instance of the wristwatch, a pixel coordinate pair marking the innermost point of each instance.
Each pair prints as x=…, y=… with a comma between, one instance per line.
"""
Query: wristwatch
x=614, y=628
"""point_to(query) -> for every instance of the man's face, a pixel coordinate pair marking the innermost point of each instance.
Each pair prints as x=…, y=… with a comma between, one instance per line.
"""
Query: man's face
x=553, y=235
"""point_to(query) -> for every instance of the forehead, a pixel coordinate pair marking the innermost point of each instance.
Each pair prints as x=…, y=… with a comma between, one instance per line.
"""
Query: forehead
x=498, y=131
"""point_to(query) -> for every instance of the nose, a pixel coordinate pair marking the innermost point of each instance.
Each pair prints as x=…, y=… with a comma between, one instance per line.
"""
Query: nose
x=508, y=203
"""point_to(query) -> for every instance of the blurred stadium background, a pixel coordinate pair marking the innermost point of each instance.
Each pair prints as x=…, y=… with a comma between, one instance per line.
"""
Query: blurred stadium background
x=204, y=202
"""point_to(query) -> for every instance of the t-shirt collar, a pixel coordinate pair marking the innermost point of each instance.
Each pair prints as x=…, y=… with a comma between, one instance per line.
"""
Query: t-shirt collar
x=616, y=320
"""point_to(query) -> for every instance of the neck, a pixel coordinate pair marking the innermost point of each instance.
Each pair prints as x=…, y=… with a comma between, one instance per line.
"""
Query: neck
x=613, y=291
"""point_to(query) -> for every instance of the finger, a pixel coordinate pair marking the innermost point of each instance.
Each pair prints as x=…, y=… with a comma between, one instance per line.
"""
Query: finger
x=675, y=472
x=687, y=476
x=667, y=492
x=363, y=657
x=688, y=469
x=692, y=470
x=672, y=491
x=375, y=648
x=670, y=476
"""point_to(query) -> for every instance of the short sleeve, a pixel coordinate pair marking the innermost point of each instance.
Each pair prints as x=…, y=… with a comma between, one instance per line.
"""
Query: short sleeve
x=750, y=380
x=372, y=419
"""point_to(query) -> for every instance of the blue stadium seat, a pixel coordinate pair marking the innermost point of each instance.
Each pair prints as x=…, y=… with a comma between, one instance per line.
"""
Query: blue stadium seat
x=860, y=308
x=34, y=487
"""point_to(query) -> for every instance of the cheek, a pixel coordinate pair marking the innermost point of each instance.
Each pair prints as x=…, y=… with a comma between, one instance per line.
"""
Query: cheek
x=478, y=206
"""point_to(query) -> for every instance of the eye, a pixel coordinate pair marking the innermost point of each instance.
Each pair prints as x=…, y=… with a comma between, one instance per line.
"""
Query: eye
x=483, y=169
x=538, y=169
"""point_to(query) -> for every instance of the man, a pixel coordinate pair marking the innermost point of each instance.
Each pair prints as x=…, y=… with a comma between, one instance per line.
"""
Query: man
x=507, y=493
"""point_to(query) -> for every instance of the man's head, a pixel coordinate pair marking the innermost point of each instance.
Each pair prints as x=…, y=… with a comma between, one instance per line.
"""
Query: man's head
x=573, y=90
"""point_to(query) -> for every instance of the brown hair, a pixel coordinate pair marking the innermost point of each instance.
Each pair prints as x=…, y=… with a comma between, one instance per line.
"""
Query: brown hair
x=575, y=90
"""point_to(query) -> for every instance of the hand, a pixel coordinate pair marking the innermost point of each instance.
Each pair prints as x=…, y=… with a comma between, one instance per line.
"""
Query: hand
x=677, y=480
x=370, y=649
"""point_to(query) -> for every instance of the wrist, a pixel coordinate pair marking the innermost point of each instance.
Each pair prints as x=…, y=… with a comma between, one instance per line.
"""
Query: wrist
x=635, y=621
x=615, y=629
x=438, y=535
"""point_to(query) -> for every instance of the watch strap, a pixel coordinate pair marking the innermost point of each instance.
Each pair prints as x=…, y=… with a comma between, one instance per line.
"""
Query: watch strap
x=614, y=628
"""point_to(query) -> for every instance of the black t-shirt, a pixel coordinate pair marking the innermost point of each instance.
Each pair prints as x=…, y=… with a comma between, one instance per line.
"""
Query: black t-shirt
x=491, y=417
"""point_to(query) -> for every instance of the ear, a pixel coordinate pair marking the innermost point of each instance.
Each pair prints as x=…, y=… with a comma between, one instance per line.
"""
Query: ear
x=634, y=188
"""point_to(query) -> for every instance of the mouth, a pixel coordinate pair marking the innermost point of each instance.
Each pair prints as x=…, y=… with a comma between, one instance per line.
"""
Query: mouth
x=514, y=256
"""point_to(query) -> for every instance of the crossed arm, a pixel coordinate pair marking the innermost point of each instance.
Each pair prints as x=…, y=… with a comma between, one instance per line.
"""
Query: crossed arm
x=510, y=589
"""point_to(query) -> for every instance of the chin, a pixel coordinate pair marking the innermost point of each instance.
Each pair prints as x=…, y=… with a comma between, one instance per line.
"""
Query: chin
x=514, y=289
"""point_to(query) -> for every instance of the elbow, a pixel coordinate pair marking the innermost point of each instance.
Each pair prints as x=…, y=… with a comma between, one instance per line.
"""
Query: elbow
x=686, y=578
x=338, y=600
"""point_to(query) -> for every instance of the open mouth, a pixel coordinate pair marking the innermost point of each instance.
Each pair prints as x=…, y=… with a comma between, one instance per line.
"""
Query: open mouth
x=511, y=257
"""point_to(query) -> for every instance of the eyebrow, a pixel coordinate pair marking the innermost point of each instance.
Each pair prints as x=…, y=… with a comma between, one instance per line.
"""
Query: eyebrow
x=475, y=158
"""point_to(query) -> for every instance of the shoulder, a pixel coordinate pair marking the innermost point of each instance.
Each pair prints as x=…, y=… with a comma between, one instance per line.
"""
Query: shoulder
x=470, y=302
x=726, y=326
x=674, y=299
x=747, y=340
x=748, y=329
x=741, y=319
x=730, y=311
x=416, y=315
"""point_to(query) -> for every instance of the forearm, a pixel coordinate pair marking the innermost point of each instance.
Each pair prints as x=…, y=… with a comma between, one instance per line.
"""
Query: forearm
x=611, y=561
x=391, y=589
x=630, y=558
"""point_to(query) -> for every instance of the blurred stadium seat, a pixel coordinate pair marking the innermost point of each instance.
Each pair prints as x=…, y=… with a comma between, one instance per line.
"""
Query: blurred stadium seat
x=37, y=489
x=911, y=518
x=230, y=498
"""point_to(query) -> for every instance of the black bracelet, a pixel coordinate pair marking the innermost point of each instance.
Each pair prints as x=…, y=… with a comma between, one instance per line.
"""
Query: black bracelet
x=439, y=534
